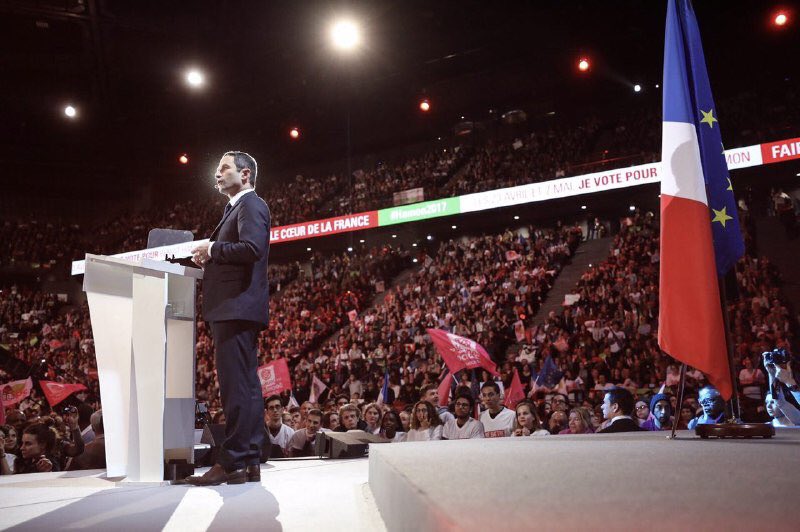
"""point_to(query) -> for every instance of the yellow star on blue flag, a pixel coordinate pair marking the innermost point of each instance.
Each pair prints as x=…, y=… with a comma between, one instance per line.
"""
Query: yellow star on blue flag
x=708, y=118
x=721, y=216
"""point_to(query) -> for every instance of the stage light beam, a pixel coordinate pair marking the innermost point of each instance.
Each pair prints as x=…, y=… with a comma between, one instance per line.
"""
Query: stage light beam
x=637, y=88
x=70, y=111
x=294, y=133
x=424, y=106
x=345, y=35
x=183, y=159
x=195, y=78
x=781, y=19
x=583, y=64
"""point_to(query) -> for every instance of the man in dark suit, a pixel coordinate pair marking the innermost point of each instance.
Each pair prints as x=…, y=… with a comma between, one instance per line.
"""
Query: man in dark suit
x=618, y=409
x=236, y=306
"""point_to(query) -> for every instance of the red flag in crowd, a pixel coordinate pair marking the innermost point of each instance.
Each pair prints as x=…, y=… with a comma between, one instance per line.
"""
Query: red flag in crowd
x=444, y=389
x=461, y=353
x=55, y=392
x=274, y=377
x=15, y=391
x=515, y=393
x=511, y=255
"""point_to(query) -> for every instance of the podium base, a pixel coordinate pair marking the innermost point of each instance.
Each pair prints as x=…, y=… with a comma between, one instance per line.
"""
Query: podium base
x=735, y=430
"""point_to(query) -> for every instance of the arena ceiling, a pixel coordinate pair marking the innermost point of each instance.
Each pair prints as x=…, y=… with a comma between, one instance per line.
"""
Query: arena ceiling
x=270, y=67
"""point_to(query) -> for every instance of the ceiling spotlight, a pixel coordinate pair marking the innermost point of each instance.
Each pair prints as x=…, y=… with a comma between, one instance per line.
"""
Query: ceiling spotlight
x=349, y=249
x=637, y=88
x=657, y=85
x=183, y=159
x=294, y=133
x=394, y=236
x=781, y=19
x=414, y=245
x=632, y=208
x=583, y=64
x=429, y=237
x=70, y=111
x=308, y=249
x=345, y=35
x=516, y=217
x=452, y=226
x=195, y=78
x=583, y=207
x=415, y=260
x=362, y=241
x=424, y=106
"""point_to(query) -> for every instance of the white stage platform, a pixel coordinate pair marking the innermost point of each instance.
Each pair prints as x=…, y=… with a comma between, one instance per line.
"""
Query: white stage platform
x=639, y=481
x=293, y=495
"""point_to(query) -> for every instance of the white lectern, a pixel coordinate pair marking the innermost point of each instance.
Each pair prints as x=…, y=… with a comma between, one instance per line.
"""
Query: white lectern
x=143, y=320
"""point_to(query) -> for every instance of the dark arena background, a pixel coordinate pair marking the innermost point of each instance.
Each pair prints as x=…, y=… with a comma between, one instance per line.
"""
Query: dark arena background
x=488, y=169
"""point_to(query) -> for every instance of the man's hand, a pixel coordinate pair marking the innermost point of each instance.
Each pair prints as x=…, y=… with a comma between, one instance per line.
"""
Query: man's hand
x=200, y=254
x=72, y=421
x=784, y=374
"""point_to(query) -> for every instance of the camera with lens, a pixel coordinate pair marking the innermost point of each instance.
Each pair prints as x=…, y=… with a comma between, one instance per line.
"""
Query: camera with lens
x=776, y=356
x=68, y=410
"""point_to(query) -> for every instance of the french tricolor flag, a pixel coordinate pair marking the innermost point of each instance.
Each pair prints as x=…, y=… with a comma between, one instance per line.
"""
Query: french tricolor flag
x=700, y=236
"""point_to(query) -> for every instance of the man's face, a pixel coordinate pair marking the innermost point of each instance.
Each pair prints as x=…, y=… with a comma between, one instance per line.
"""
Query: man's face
x=558, y=421
x=274, y=412
x=490, y=398
x=462, y=409
x=661, y=412
x=334, y=421
x=30, y=446
x=229, y=180
x=304, y=408
x=296, y=420
x=432, y=396
x=312, y=424
x=711, y=401
x=350, y=420
x=608, y=411
x=341, y=402
x=558, y=403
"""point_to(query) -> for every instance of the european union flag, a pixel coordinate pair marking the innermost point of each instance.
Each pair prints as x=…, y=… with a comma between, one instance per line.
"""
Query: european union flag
x=728, y=241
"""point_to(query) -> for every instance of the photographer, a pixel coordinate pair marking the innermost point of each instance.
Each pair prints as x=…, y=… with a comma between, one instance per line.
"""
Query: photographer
x=70, y=440
x=783, y=388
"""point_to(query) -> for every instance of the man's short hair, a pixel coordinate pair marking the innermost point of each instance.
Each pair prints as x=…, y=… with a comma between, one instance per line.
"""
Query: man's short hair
x=428, y=387
x=294, y=410
x=274, y=397
x=349, y=407
x=491, y=384
x=468, y=397
x=623, y=398
x=45, y=437
x=314, y=412
x=244, y=160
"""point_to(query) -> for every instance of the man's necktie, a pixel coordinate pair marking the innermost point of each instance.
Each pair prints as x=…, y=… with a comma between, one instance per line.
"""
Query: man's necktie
x=228, y=208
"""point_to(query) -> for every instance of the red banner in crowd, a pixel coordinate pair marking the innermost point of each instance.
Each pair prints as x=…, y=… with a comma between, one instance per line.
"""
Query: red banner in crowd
x=328, y=226
x=461, y=353
x=784, y=150
x=515, y=393
x=274, y=377
x=55, y=392
x=15, y=391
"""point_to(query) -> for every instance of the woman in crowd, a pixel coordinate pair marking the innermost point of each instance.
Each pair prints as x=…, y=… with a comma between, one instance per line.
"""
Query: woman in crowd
x=372, y=415
x=528, y=422
x=392, y=427
x=8, y=449
x=642, y=411
x=425, y=423
x=686, y=416
x=580, y=422
x=405, y=418
x=38, y=441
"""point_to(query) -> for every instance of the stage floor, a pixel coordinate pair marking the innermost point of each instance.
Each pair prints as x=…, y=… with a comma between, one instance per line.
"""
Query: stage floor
x=634, y=481
x=298, y=495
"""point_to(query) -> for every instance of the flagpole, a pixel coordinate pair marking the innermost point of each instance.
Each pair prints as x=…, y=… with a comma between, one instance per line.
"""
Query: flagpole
x=734, y=403
x=681, y=386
